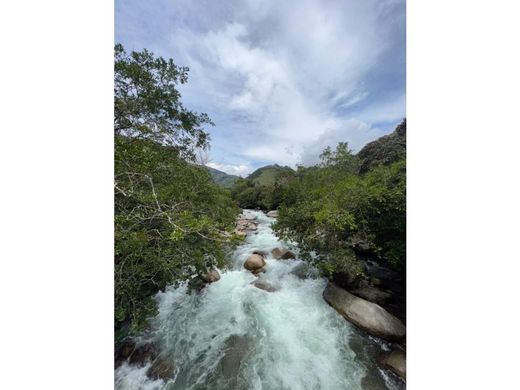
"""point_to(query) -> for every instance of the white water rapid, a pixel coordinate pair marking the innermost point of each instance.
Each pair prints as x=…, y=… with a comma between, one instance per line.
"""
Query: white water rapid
x=233, y=335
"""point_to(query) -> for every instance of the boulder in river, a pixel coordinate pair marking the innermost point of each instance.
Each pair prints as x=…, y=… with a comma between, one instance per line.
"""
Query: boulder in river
x=273, y=214
x=254, y=263
x=259, y=270
x=282, y=253
x=368, y=316
x=264, y=286
x=161, y=368
x=123, y=351
x=394, y=361
x=211, y=276
x=259, y=252
x=372, y=294
x=236, y=349
x=143, y=353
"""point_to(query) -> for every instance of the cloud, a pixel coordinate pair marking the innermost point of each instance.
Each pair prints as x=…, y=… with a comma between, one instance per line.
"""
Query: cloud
x=353, y=131
x=239, y=170
x=280, y=79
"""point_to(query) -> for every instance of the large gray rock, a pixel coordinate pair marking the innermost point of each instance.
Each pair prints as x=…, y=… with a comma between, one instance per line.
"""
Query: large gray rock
x=236, y=349
x=395, y=361
x=368, y=316
x=372, y=294
x=254, y=263
x=273, y=214
x=283, y=253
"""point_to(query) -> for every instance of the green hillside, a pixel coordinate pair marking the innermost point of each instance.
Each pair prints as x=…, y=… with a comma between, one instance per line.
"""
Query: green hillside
x=266, y=176
x=222, y=178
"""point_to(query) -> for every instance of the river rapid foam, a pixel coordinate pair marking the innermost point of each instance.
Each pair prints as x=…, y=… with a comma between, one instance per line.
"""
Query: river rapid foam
x=233, y=335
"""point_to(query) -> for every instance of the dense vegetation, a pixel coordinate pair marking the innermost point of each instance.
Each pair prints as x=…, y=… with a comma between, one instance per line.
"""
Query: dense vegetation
x=350, y=207
x=173, y=222
x=347, y=208
x=262, y=189
x=170, y=216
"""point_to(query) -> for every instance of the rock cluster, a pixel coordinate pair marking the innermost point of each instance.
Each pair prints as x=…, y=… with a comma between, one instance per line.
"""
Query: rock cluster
x=282, y=253
x=245, y=223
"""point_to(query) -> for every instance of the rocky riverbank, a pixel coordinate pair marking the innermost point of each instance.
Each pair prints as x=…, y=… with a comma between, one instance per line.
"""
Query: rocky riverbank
x=361, y=306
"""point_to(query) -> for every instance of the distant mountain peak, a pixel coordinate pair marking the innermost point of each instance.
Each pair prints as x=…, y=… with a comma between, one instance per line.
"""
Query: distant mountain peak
x=267, y=175
x=222, y=178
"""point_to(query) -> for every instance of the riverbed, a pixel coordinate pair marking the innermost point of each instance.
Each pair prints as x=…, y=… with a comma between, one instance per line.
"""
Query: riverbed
x=233, y=335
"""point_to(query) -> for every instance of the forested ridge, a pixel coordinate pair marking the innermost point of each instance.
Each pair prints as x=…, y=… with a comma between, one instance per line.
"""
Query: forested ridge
x=173, y=222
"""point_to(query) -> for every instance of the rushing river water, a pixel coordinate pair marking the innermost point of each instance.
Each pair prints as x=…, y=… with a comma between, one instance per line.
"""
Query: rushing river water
x=234, y=335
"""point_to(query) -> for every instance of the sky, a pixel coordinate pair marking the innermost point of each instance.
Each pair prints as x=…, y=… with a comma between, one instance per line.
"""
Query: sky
x=281, y=80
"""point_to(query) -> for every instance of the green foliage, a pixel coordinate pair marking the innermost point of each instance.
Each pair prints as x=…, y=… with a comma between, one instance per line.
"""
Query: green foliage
x=337, y=215
x=147, y=104
x=170, y=217
x=262, y=189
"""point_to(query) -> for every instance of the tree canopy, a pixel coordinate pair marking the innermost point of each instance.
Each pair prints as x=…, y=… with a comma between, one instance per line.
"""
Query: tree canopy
x=147, y=103
x=170, y=217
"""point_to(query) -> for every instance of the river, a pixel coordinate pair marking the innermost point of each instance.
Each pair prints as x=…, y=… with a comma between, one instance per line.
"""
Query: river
x=234, y=335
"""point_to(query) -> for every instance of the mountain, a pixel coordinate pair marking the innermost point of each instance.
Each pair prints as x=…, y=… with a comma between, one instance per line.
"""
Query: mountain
x=222, y=178
x=267, y=175
x=385, y=150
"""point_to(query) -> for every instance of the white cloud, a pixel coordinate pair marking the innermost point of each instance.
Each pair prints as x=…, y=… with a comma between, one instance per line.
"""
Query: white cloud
x=281, y=79
x=239, y=170
x=353, y=131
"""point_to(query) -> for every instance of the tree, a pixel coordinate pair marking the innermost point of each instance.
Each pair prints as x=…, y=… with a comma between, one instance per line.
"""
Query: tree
x=339, y=216
x=170, y=217
x=147, y=104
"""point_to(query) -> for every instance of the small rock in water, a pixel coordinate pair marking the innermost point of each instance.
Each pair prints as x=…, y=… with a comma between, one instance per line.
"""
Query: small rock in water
x=395, y=361
x=211, y=276
x=162, y=368
x=264, y=286
x=254, y=263
x=282, y=253
x=143, y=353
x=273, y=214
